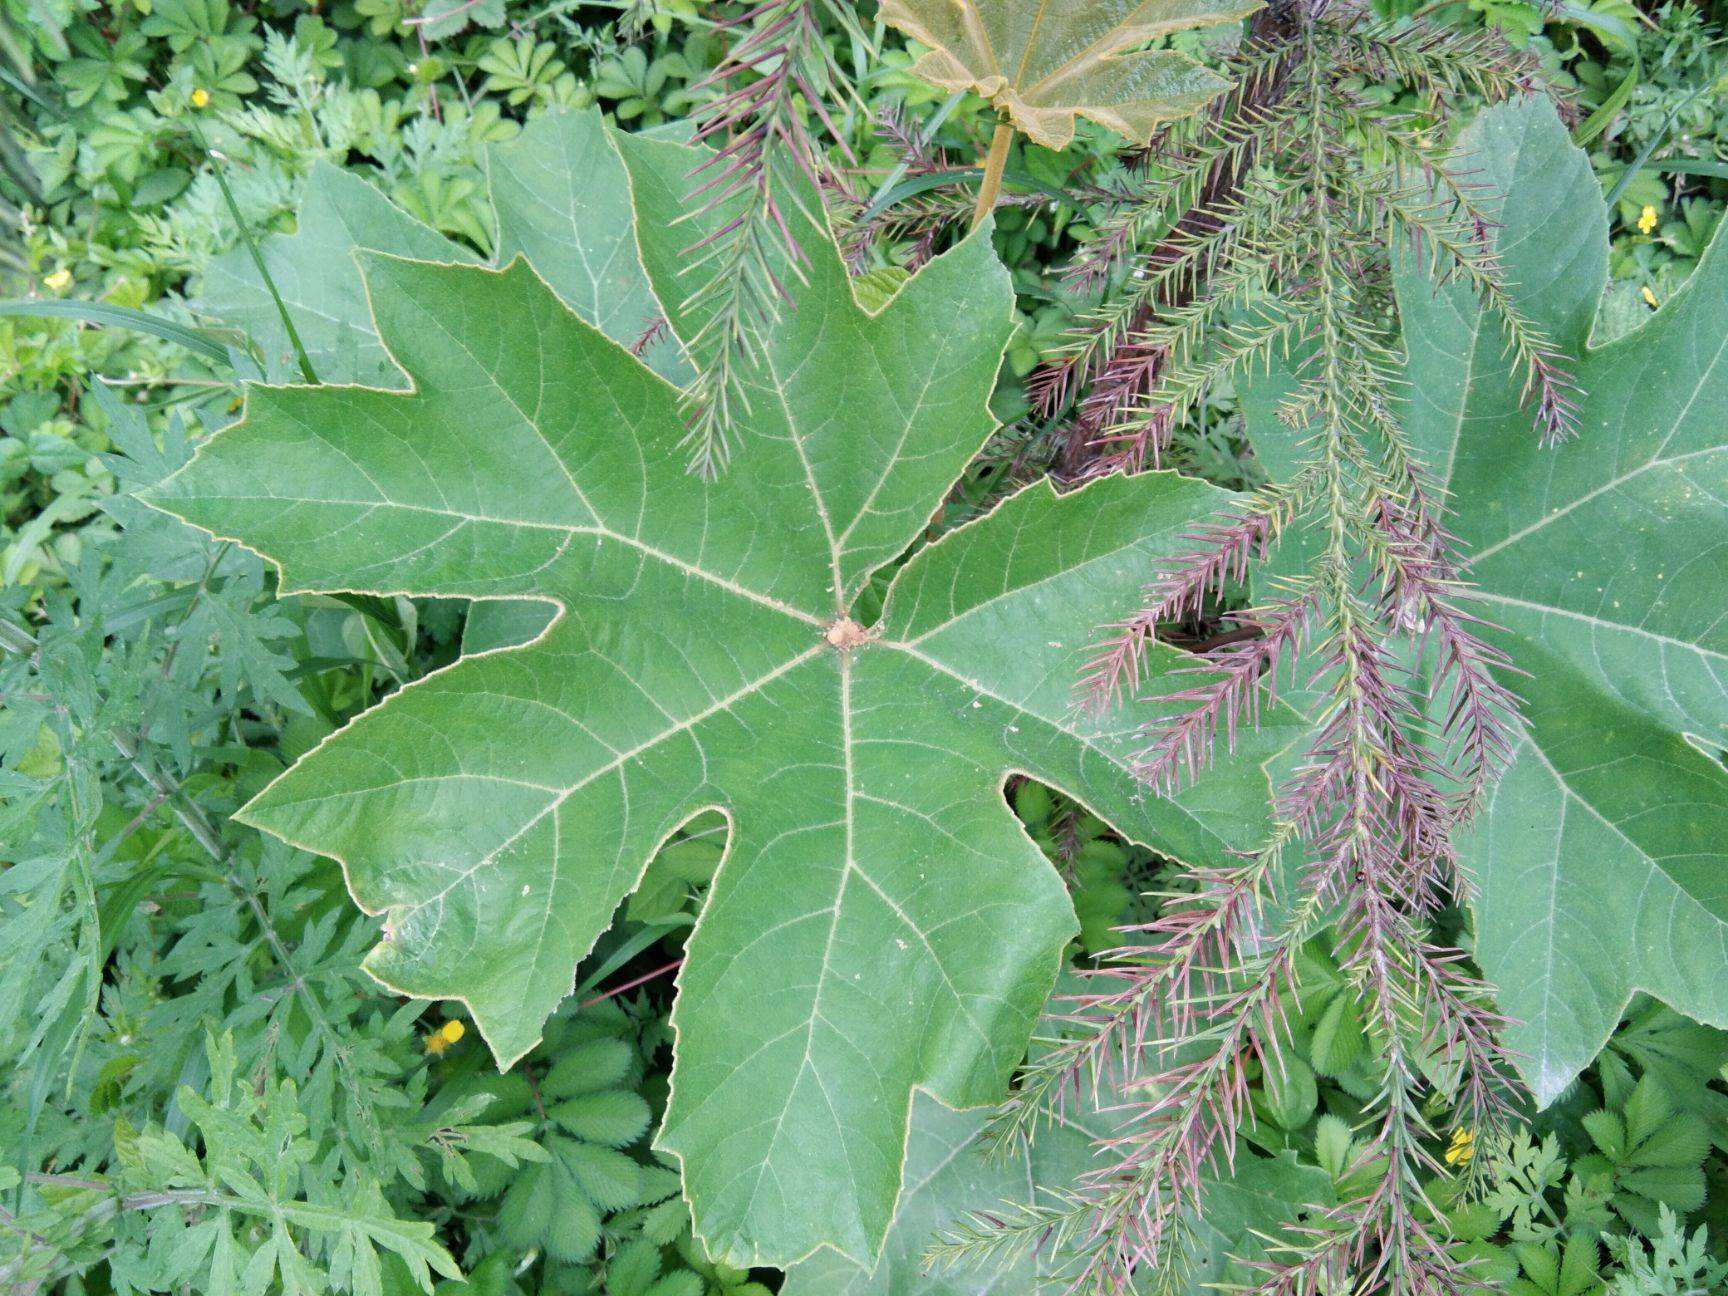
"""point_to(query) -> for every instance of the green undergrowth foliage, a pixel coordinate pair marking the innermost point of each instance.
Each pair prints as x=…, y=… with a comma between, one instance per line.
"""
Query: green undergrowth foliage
x=447, y=847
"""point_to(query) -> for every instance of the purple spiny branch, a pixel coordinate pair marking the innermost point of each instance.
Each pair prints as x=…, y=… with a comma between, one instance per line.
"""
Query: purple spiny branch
x=1185, y=1121
x=1236, y=679
x=1174, y=966
x=1422, y=594
x=1127, y=370
x=1366, y=802
x=1221, y=553
x=656, y=329
x=1417, y=723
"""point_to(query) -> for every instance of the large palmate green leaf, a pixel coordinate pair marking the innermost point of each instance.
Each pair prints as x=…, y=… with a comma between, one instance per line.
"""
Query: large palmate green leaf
x=881, y=922
x=1602, y=856
x=1046, y=63
x=949, y=1176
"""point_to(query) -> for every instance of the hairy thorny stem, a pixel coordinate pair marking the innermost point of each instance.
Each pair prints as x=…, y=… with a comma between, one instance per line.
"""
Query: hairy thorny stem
x=1208, y=268
x=994, y=161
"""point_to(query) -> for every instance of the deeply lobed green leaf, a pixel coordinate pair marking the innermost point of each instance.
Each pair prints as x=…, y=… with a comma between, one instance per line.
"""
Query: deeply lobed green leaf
x=881, y=922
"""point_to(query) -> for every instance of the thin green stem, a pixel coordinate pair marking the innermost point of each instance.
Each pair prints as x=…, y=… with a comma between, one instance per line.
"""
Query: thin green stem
x=216, y=160
x=1655, y=142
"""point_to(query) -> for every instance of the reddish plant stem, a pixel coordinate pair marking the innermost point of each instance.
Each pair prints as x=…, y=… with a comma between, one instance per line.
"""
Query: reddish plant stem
x=642, y=980
x=1133, y=369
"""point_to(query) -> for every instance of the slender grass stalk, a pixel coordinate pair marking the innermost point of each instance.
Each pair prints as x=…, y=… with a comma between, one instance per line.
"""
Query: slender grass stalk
x=884, y=191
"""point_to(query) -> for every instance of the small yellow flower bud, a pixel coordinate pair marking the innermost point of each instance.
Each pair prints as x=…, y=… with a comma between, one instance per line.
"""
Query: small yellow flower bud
x=1647, y=219
x=60, y=280
x=446, y=1035
x=200, y=98
x=1649, y=298
x=1462, y=1147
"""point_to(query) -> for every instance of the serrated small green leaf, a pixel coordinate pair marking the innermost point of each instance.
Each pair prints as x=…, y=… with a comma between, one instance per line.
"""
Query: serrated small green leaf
x=1608, y=1132
x=612, y=1117
x=685, y=1282
x=609, y=1178
x=597, y=1064
x=1680, y=1186
x=1290, y=1094
x=664, y=1223
x=633, y=1268
x=1541, y=1265
x=1680, y=1140
x=1338, y=1042
x=573, y=1231
x=876, y=288
x=1332, y=1142
x=526, y=1211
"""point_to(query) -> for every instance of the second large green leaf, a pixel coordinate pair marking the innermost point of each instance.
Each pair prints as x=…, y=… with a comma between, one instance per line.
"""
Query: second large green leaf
x=881, y=923
x=1601, y=859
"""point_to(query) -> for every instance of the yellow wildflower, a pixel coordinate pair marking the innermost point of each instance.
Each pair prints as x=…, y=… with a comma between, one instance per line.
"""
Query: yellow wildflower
x=200, y=98
x=1462, y=1148
x=1647, y=219
x=446, y=1035
x=60, y=280
x=1649, y=298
